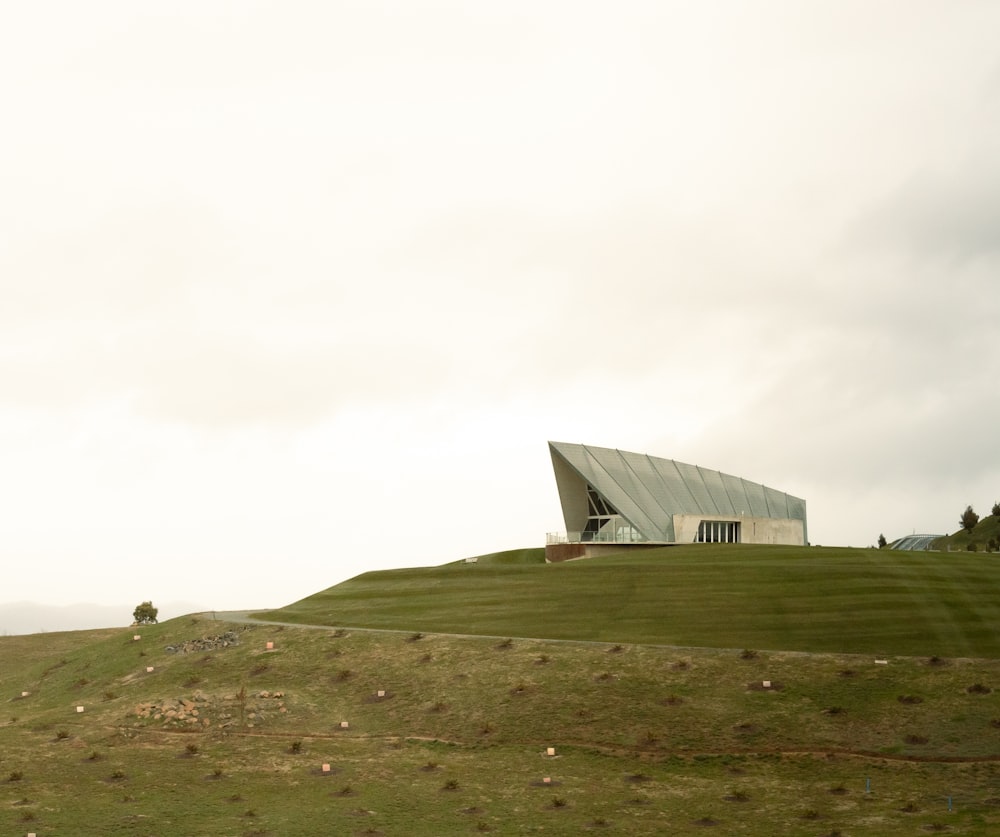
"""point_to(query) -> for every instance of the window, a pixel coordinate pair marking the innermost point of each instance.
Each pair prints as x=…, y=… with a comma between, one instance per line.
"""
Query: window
x=718, y=531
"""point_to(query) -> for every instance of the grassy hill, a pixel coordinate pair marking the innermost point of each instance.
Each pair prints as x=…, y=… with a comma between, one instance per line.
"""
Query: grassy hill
x=719, y=596
x=199, y=728
x=985, y=531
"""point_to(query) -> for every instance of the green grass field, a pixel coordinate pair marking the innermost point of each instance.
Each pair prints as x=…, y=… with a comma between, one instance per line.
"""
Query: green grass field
x=647, y=739
x=713, y=596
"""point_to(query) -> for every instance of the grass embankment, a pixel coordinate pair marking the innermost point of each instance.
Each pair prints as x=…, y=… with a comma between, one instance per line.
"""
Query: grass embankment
x=985, y=533
x=647, y=740
x=788, y=598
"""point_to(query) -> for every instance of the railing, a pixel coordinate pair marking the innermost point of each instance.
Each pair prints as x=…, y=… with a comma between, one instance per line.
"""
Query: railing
x=621, y=535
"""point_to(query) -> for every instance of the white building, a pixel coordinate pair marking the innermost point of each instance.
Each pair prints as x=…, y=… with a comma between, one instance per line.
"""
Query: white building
x=612, y=498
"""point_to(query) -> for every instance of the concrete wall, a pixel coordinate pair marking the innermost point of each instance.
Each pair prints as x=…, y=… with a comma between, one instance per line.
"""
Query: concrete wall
x=752, y=529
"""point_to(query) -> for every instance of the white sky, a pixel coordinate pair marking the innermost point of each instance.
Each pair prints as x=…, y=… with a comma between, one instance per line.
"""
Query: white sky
x=291, y=291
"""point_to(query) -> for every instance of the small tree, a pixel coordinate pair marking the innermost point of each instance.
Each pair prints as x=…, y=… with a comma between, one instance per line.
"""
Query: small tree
x=969, y=519
x=882, y=543
x=145, y=614
x=996, y=510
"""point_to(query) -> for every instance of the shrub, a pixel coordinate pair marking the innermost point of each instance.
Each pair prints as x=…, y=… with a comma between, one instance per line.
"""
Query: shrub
x=969, y=519
x=450, y=785
x=109, y=695
x=978, y=689
x=62, y=735
x=15, y=776
x=191, y=749
x=507, y=643
x=995, y=511
x=295, y=747
x=27, y=816
x=748, y=654
x=145, y=614
x=558, y=802
x=415, y=637
x=971, y=547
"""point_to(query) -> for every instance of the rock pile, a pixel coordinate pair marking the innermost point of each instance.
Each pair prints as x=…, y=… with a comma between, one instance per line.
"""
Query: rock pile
x=202, y=710
x=206, y=643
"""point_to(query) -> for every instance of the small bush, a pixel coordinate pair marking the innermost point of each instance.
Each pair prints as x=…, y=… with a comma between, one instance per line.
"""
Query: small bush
x=809, y=814
x=15, y=776
x=109, y=695
x=258, y=669
x=542, y=659
x=834, y=710
x=192, y=681
x=217, y=773
x=27, y=816
x=415, y=637
x=936, y=661
x=558, y=802
x=450, y=785
x=910, y=700
x=978, y=689
x=117, y=774
x=616, y=649
x=505, y=644
x=971, y=547
x=83, y=681
x=748, y=654
x=62, y=735
x=344, y=674
x=915, y=739
x=94, y=756
x=295, y=747
x=191, y=749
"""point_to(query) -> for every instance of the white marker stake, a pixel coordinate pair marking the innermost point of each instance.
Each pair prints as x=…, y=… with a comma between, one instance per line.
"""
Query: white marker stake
x=381, y=693
x=326, y=768
x=547, y=780
x=79, y=709
x=551, y=751
x=767, y=684
x=149, y=669
x=270, y=646
x=136, y=637
x=344, y=725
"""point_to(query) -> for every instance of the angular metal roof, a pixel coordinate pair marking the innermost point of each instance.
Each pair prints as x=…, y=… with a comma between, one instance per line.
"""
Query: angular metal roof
x=648, y=491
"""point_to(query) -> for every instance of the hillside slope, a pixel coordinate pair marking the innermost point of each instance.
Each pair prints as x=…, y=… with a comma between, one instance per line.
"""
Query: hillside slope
x=720, y=596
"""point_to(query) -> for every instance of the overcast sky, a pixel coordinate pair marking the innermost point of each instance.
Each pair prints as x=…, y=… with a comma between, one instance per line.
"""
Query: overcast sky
x=292, y=291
